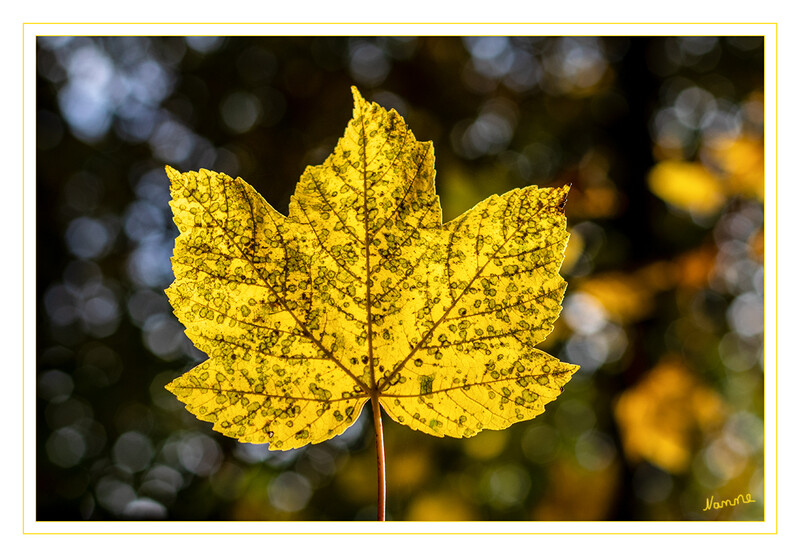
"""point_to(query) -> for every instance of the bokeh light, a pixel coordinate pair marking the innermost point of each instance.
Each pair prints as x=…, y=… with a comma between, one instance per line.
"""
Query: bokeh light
x=662, y=141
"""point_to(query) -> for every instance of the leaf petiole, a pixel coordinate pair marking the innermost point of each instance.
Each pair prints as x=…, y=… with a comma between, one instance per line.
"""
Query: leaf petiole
x=376, y=415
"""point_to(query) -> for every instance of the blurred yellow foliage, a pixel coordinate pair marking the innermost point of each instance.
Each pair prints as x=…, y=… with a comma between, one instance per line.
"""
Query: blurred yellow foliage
x=628, y=297
x=624, y=298
x=738, y=164
x=742, y=161
x=687, y=185
x=661, y=416
x=439, y=506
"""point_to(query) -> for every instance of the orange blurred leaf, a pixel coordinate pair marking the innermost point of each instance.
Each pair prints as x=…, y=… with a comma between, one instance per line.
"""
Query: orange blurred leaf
x=661, y=416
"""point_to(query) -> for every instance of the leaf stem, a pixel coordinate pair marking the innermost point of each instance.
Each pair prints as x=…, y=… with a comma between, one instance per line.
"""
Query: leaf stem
x=376, y=415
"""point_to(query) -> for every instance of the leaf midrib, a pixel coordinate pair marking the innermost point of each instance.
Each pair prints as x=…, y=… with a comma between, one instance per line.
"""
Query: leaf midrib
x=373, y=390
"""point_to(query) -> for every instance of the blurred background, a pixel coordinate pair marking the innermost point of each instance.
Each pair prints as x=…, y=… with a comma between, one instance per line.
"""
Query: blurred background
x=662, y=139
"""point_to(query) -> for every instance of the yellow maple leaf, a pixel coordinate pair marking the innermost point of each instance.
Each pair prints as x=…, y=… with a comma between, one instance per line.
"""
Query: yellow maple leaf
x=362, y=294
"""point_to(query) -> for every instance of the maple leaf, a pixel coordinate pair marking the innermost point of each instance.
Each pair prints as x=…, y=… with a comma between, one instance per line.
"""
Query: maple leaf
x=362, y=294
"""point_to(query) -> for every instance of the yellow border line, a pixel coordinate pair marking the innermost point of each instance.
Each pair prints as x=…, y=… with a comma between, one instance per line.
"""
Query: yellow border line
x=23, y=278
x=776, y=273
x=449, y=23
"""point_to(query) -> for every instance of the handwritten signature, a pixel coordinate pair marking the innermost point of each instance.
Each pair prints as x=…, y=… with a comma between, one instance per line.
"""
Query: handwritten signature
x=742, y=498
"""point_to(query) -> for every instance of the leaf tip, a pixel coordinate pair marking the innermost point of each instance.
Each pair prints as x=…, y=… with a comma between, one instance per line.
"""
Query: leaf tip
x=172, y=174
x=359, y=102
x=171, y=386
x=562, y=204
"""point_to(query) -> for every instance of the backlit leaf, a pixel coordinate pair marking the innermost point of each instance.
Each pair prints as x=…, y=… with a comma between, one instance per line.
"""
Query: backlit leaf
x=361, y=292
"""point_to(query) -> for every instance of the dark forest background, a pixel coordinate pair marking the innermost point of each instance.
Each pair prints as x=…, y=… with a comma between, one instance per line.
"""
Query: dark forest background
x=662, y=139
